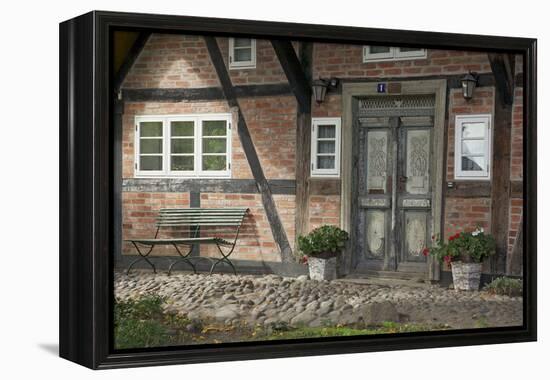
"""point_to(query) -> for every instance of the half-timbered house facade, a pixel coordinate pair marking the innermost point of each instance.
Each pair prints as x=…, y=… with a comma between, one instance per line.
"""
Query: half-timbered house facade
x=394, y=153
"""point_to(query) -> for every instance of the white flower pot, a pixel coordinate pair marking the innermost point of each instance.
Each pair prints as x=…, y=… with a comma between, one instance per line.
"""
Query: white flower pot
x=466, y=276
x=322, y=269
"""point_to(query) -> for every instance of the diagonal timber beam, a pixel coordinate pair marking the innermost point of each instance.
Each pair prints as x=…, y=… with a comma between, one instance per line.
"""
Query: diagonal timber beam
x=294, y=72
x=277, y=228
x=130, y=59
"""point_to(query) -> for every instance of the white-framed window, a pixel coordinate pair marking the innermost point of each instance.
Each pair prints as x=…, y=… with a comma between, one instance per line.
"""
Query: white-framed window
x=325, y=147
x=473, y=147
x=183, y=145
x=392, y=53
x=242, y=53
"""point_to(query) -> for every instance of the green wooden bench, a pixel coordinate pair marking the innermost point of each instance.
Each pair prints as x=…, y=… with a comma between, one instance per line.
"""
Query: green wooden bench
x=202, y=226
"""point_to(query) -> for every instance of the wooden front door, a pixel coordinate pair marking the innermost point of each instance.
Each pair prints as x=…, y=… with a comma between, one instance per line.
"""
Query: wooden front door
x=393, y=161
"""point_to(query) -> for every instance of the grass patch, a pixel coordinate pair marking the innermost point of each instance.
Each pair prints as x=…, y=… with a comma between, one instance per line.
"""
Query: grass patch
x=505, y=286
x=141, y=323
x=330, y=331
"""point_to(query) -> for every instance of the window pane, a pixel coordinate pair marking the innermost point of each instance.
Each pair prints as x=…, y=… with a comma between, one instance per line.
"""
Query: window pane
x=150, y=163
x=473, y=147
x=214, y=145
x=473, y=163
x=150, y=129
x=183, y=145
x=473, y=130
x=150, y=145
x=214, y=128
x=242, y=42
x=379, y=49
x=213, y=162
x=326, y=147
x=182, y=163
x=326, y=162
x=182, y=128
x=243, y=55
x=327, y=131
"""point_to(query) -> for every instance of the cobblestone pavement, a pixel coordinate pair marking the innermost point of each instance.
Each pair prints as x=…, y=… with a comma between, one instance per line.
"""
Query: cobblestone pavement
x=263, y=300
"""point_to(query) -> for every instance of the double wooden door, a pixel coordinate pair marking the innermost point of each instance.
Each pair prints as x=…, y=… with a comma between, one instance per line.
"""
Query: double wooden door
x=393, y=160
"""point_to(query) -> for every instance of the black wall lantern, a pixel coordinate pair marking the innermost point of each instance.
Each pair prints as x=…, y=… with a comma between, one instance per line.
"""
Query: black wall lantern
x=468, y=84
x=320, y=87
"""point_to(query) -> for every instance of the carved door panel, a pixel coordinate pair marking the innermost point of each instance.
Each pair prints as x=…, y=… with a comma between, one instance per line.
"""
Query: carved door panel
x=394, y=190
x=376, y=159
x=414, y=191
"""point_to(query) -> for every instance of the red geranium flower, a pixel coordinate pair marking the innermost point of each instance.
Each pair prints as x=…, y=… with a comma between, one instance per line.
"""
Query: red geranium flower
x=455, y=236
x=447, y=259
x=426, y=251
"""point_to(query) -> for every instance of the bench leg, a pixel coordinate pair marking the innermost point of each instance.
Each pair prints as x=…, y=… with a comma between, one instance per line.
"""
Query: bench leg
x=225, y=259
x=182, y=258
x=143, y=256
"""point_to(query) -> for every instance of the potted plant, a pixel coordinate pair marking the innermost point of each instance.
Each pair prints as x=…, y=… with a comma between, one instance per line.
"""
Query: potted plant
x=464, y=252
x=320, y=249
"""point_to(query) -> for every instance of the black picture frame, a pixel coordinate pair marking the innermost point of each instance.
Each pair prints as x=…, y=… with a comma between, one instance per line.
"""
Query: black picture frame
x=88, y=200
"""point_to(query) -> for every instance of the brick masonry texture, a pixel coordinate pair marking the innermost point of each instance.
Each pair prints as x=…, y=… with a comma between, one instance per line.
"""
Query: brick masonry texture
x=172, y=61
x=180, y=61
x=324, y=209
x=345, y=61
x=516, y=159
x=465, y=214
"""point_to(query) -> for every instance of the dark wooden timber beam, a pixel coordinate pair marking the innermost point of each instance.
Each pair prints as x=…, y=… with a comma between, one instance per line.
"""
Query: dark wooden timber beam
x=277, y=229
x=303, y=142
x=130, y=59
x=500, y=186
x=503, y=67
x=299, y=83
x=202, y=93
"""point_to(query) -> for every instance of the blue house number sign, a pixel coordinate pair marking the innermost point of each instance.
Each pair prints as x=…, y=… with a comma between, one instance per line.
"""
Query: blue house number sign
x=381, y=87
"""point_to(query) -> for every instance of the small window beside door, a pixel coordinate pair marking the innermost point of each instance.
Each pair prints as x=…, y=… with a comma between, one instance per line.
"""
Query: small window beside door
x=392, y=53
x=325, y=147
x=473, y=147
x=242, y=53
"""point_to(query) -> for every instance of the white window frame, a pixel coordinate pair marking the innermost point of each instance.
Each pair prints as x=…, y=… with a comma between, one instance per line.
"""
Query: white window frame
x=470, y=174
x=197, y=154
x=234, y=65
x=395, y=54
x=315, y=122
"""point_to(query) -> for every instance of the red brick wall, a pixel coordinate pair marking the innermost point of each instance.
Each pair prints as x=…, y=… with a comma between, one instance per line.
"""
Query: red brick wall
x=324, y=209
x=171, y=61
x=465, y=214
x=272, y=125
x=345, y=61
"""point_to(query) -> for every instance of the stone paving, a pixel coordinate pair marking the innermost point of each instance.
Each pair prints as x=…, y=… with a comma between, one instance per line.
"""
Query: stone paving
x=271, y=299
